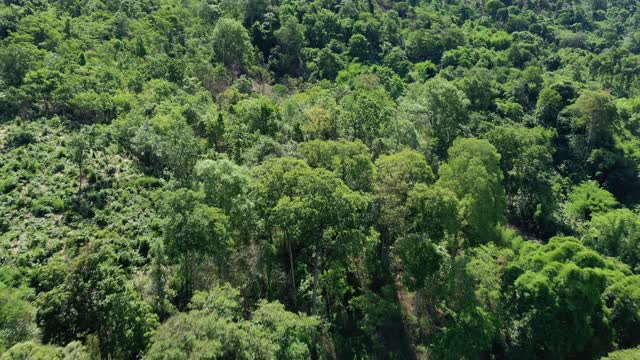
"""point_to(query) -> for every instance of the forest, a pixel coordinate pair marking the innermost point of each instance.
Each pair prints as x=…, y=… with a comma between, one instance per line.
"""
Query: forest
x=319, y=179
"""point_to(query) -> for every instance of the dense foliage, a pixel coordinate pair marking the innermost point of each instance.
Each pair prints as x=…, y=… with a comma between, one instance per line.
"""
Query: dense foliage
x=294, y=179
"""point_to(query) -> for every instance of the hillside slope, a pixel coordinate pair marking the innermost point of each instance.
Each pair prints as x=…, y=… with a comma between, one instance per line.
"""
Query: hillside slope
x=293, y=179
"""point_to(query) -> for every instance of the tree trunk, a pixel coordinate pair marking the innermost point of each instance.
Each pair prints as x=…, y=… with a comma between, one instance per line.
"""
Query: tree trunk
x=316, y=269
x=293, y=279
x=24, y=111
x=188, y=278
x=81, y=166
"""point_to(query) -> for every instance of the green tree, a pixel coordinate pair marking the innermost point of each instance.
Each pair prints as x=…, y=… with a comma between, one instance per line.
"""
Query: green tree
x=397, y=174
x=259, y=114
x=454, y=321
x=623, y=302
x=17, y=60
x=423, y=44
x=286, y=58
x=30, y=350
x=472, y=333
x=479, y=87
x=552, y=286
x=96, y=298
x=423, y=71
x=439, y=108
x=594, y=116
x=627, y=354
x=17, y=318
x=40, y=86
x=350, y=161
x=548, y=107
x=420, y=258
x=359, y=47
x=587, y=199
x=215, y=329
x=473, y=173
x=80, y=150
x=194, y=232
x=231, y=44
x=527, y=163
x=366, y=114
x=434, y=212
x=323, y=216
x=314, y=216
x=397, y=60
x=222, y=182
x=329, y=64
x=615, y=233
x=292, y=333
x=166, y=142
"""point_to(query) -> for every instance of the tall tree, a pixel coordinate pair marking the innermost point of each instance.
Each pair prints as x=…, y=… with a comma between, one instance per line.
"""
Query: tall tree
x=527, y=163
x=397, y=174
x=473, y=173
x=439, y=108
x=366, y=114
x=315, y=215
x=350, y=161
x=194, y=232
x=231, y=45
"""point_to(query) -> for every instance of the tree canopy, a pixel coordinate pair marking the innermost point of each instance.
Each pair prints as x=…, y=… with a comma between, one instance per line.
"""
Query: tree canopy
x=319, y=179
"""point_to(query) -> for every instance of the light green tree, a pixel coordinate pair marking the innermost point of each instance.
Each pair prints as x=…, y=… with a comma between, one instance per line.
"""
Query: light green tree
x=397, y=174
x=439, y=108
x=587, y=199
x=194, y=232
x=473, y=173
x=615, y=233
x=231, y=44
x=350, y=161
x=434, y=212
x=366, y=113
x=17, y=318
x=215, y=329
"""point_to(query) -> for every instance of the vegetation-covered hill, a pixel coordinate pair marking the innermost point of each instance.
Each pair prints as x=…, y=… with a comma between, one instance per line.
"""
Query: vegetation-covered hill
x=326, y=179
